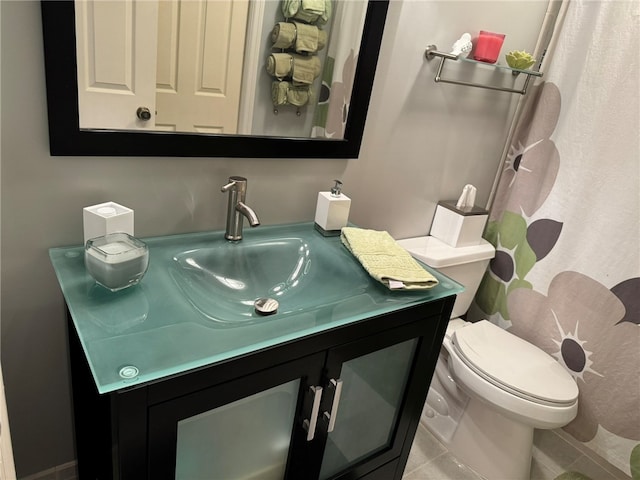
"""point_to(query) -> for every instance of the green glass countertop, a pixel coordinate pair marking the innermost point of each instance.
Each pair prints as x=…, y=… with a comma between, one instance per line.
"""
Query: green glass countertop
x=190, y=311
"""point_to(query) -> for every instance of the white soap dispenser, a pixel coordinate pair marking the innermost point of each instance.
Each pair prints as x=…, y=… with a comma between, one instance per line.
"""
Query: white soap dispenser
x=332, y=211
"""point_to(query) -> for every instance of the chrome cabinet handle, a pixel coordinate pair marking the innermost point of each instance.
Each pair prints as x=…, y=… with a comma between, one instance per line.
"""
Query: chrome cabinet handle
x=331, y=417
x=310, y=424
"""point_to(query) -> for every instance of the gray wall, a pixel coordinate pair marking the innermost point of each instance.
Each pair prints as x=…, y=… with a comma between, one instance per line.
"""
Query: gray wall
x=426, y=140
x=423, y=142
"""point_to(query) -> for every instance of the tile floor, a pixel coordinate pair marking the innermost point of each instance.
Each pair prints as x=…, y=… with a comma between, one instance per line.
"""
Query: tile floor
x=552, y=456
x=430, y=460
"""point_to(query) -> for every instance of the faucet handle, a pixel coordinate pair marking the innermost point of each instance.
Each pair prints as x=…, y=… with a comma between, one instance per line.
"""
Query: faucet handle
x=234, y=181
x=228, y=186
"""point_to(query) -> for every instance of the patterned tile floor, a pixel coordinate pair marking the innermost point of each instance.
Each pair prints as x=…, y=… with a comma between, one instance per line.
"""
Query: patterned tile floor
x=552, y=456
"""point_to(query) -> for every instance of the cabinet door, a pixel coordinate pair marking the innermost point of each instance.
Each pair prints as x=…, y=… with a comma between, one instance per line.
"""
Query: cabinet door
x=366, y=420
x=242, y=429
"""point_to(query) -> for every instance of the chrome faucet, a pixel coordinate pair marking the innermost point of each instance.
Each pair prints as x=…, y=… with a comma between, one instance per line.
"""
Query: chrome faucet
x=237, y=188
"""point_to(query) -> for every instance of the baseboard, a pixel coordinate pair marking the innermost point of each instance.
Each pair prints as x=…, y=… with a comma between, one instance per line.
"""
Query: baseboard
x=66, y=471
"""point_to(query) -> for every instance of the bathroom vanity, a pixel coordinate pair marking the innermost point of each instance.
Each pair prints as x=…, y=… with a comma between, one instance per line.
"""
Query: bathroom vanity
x=179, y=377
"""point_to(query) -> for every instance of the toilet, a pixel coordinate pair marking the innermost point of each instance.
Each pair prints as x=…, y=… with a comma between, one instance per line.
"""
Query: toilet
x=490, y=389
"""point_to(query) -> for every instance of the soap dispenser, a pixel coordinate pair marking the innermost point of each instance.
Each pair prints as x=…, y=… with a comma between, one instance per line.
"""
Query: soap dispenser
x=332, y=211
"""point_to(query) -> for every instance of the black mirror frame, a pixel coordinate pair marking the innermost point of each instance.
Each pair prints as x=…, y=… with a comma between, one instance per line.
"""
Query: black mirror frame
x=66, y=138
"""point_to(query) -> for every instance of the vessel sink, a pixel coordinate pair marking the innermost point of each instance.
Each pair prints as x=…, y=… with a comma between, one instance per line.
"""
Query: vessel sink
x=301, y=273
x=195, y=305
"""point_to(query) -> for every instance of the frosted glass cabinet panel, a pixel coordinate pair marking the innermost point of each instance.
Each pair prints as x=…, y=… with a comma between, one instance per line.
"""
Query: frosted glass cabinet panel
x=372, y=391
x=247, y=439
x=242, y=429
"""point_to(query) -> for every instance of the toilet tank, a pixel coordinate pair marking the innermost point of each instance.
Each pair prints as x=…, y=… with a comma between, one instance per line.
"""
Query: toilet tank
x=465, y=265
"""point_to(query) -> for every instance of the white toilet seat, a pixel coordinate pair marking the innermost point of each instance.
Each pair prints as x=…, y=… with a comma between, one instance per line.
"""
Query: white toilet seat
x=534, y=389
x=514, y=364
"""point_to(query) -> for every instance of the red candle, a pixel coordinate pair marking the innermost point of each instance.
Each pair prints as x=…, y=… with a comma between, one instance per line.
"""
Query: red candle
x=488, y=47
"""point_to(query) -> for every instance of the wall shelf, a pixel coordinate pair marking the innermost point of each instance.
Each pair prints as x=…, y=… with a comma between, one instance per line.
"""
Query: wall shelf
x=432, y=51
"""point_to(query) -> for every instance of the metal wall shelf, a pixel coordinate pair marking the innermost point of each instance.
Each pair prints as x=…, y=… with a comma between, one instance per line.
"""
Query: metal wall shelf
x=432, y=51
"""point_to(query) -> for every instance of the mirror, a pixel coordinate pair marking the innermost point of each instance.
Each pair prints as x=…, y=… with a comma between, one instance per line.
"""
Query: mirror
x=67, y=137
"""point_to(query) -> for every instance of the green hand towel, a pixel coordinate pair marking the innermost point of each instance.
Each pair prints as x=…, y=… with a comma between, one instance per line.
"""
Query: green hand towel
x=323, y=19
x=293, y=9
x=290, y=8
x=279, y=64
x=309, y=11
x=283, y=35
x=385, y=260
x=313, y=6
x=306, y=38
x=305, y=69
x=299, y=96
x=279, y=92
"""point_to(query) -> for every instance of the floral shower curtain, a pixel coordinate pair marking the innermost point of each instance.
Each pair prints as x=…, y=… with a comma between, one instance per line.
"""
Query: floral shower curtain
x=566, y=223
x=339, y=69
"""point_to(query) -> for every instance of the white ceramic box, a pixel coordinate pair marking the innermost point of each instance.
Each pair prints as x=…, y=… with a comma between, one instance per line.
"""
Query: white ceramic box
x=458, y=227
x=104, y=218
x=332, y=211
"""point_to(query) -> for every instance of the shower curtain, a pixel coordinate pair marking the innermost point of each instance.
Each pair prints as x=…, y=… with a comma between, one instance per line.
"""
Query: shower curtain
x=338, y=73
x=565, y=222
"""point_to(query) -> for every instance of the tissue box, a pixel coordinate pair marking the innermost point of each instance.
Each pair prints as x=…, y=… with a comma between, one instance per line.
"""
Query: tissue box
x=458, y=227
x=110, y=217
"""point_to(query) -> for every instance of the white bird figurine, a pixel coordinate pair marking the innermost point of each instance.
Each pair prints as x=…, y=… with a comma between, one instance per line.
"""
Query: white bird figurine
x=462, y=46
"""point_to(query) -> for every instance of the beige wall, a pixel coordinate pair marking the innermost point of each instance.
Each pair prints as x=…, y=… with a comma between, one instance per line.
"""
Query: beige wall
x=423, y=142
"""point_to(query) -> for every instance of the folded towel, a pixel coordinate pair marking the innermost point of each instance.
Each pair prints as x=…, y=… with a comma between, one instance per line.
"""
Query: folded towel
x=284, y=93
x=309, y=11
x=306, y=38
x=313, y=6
x=299, y=96
x=290, y=8
x=279, y=64
x=322, y=39
x=326, y=16
x=300, y=36
x=279, y=92
x=283, y=35
x=321, y=8
x=293, y=9
x=305, y=69
x=385, y=260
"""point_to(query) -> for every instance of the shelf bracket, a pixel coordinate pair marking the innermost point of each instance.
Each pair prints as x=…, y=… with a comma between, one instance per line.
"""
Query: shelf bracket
x=432, y=51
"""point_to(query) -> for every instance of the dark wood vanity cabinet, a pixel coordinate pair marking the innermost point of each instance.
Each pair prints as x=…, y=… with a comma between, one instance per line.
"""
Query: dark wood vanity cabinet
x=343, y=403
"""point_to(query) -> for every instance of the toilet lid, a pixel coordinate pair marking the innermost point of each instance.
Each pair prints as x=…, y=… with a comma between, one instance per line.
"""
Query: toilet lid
x=514, y=364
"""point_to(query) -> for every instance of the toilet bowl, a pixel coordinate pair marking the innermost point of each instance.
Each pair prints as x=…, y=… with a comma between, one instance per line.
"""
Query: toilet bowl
x=516, y=378
x=506, y=387
x=490, y=389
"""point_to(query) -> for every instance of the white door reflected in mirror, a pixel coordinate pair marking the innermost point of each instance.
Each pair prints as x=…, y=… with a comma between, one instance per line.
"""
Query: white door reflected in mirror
x=180, y=60
x=116, y=73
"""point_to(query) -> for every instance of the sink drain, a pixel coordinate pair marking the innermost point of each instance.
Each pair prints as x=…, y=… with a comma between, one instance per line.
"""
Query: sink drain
x=266, y=306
